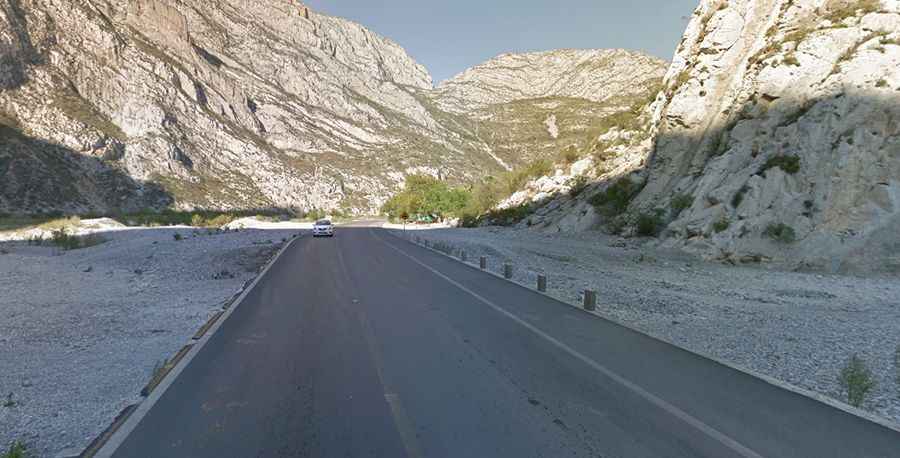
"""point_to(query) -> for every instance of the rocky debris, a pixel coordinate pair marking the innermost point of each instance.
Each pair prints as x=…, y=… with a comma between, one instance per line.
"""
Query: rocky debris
x=797, y=327
x=91, y=340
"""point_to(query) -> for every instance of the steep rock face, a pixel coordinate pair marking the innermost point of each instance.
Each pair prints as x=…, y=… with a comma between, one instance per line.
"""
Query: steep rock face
x=597, y=75
x=226, y=104
x=246, y=104
x=784, y=114
x=777, y=126
x=534, y=105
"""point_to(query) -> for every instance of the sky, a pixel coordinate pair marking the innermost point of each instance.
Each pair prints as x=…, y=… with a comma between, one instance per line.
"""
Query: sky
x=448, y=37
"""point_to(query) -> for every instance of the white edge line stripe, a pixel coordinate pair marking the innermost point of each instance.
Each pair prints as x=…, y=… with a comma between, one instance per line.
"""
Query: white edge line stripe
x=121, y=434
x=812, y=395
x=659, y=402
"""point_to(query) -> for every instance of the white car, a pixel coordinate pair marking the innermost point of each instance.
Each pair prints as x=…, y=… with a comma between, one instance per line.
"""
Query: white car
x=323, y=228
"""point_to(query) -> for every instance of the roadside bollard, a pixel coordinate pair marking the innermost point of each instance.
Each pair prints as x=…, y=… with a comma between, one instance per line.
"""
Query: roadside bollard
x=462, y=256
x=482, y=262
x=507, y=271
x=542, y=283
x=590, y=300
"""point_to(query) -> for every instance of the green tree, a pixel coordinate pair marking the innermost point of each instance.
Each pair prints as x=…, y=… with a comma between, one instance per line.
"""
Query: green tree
x=425, y=196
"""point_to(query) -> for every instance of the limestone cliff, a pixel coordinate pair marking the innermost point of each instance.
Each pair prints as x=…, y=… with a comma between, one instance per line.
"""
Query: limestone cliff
x=780, y=121
x=224, y=104
x=775, y=138
x=537, y=104
x=110, y=105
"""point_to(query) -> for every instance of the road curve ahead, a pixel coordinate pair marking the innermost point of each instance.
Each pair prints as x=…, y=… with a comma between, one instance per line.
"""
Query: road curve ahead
x=365, y=345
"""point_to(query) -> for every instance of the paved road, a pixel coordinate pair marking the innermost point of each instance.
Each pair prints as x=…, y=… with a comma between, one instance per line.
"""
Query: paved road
x=367, y=346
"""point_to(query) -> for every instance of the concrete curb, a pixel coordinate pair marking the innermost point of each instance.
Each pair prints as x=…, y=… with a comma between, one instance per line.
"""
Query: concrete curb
x=865, y=415
x=209, y=323
x=119, y=431
x=100, y=440
x=164, y=371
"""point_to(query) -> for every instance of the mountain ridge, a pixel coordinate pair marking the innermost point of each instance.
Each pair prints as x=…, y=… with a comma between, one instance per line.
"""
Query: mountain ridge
x=771, y=140
x=229, y=105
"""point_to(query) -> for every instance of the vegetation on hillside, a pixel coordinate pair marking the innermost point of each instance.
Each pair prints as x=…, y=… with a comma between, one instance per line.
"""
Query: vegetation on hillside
x=426, y=198
x=615, y=199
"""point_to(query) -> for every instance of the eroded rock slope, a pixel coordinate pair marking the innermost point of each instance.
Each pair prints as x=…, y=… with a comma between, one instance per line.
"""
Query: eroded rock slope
x=226, y=104
x=782, y=122
x=775, y=138
x=123, y=105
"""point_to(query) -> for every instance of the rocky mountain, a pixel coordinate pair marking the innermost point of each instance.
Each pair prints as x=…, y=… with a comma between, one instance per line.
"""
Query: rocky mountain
x=127, y=104
x=217, y=105
x=775, y=138
x=537, y=104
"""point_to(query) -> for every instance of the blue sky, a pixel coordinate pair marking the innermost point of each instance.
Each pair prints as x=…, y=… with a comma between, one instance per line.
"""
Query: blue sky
x=451, y=36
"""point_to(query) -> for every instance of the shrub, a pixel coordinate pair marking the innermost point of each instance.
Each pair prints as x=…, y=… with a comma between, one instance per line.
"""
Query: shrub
x=577, y=185
x=61, y=223
x=568, y=156
x=780, y=233
x=220, y=220
x=509, y=216
x=66, y=241
x=177, y=237
x=615, y=198
x=617, y=225
x=680, y=203
x=856, y=381
x=739, y=196
x=424, y=196
x=514, y=180
x=649, y=224
x=881, y=83
x=469, y=221
x=791, y=59
x=721, y=225
x=16, y=450
x=790, y=164
x=840, y=10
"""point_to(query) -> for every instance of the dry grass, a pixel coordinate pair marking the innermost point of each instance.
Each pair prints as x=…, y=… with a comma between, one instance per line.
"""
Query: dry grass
x=60, y=223
x=66, y=241
x=838, y=10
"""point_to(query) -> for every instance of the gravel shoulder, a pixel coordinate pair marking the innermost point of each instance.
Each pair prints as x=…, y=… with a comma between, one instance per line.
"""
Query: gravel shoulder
x=797, y=327
x=81, y=331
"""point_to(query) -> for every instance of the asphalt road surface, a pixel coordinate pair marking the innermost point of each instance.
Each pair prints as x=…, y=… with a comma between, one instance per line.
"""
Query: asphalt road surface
x=364, y=345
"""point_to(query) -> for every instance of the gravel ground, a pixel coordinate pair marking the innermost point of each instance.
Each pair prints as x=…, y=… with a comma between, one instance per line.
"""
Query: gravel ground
x=797, y=327
x=81, y=331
